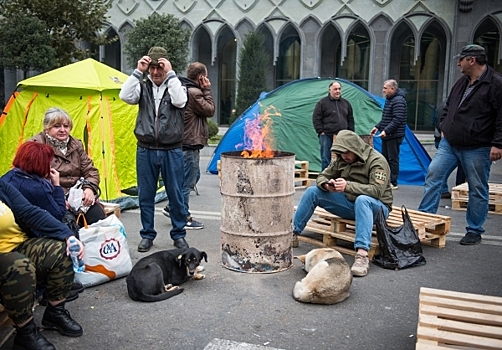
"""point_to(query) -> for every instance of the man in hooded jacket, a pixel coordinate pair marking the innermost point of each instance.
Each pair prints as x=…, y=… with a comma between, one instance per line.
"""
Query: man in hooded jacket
x=355, y=186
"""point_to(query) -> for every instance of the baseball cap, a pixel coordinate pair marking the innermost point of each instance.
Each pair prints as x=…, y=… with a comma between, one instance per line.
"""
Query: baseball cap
x=470, y=50
x=155, y=53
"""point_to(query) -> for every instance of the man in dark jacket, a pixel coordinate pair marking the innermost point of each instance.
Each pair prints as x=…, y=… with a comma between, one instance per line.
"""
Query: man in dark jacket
x=159, y=131
x=331, y=114
x=392, y=126
x=200, y=107
x=354, y=186
x=471, y=125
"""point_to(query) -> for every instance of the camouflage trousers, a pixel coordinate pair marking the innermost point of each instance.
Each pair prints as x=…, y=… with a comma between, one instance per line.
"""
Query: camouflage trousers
x=36, y=261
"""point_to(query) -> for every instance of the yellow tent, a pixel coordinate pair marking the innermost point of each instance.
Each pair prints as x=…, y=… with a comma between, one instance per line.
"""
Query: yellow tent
x=88, y=90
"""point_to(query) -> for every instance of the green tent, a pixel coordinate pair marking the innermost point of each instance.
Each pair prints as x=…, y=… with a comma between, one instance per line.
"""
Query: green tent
x=88, y=90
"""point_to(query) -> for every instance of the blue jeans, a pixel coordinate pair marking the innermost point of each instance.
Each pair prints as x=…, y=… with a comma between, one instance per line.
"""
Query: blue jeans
x=364, y=211
x=326, y=142
x=476, y=164
x=149, y=163
x=192, y=174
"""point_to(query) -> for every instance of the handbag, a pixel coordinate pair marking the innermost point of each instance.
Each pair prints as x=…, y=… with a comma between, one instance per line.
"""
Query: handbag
x=106, y=252
x=400, y=246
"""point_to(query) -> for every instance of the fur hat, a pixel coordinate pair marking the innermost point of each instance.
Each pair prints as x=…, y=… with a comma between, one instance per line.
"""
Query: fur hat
x=155, y=53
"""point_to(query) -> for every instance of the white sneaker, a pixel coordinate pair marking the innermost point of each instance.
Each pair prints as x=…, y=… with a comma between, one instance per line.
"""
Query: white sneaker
x=392, y=187
x=361, y=265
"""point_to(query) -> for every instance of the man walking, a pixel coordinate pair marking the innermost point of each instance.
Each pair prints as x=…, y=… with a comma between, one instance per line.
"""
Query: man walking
x=471, y=125
x=354, y=186
x=159, y=131
x=392, y=127
x=200, y=107
x=331, y=114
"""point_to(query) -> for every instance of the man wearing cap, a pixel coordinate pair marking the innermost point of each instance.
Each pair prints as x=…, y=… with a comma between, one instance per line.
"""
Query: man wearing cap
x=471, y=126
x=159, y=131
x=355, y=186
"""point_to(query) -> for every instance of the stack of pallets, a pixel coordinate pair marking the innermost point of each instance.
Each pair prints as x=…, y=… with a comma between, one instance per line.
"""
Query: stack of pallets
x=430, y=228
x=302, y=174
x=460, y=197
x=454, y=320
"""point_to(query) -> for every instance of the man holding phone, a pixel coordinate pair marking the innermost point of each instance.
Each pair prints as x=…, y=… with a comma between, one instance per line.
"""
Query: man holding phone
x=200, y=107
x=355, y=186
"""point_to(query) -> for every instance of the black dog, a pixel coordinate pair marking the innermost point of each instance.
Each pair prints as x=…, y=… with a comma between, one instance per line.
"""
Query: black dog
x=156, y=277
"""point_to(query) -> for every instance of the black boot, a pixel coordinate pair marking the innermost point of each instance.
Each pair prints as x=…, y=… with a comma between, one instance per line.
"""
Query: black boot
x=28, y=338
x=58, y=318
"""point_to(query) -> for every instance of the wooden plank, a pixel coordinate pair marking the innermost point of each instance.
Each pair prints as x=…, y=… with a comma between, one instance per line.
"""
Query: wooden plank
x=461, y=327
x=111, y=208
x=464, y=305
x=461, y=204
x=471, y=341
x=461, y=295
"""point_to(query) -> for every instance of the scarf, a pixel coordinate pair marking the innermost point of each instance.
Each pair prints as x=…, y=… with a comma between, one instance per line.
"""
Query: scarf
x=62, y=146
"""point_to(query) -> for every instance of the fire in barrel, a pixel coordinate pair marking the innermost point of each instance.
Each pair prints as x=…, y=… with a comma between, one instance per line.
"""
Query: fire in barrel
x=257, y=190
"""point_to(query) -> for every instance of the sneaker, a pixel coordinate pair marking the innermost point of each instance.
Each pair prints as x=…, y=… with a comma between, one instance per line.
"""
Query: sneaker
x=296, y=243
x=394, y=187
x=446, y=195
x=361, y=265
x=193, y=225
x=470, y=238
x=165, y=211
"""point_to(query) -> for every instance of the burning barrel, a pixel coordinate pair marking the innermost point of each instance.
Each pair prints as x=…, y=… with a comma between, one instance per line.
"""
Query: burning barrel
x=257, y=212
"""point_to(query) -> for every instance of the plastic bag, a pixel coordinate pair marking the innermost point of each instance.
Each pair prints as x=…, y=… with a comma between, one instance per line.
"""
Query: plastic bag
x=106, y=252
x=400, y=247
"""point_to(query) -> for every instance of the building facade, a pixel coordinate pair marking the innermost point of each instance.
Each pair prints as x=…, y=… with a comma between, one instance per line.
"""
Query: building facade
x=364, y=41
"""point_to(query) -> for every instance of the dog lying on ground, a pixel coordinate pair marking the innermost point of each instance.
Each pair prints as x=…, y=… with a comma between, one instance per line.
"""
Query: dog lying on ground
x=157, y=277
x=328, y=277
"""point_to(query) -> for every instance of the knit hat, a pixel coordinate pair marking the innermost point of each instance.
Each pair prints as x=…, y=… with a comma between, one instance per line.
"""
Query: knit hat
x=155, y=53
x=471, y=50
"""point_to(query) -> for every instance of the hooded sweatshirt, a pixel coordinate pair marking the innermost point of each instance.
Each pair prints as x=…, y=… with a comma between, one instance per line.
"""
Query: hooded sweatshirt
x=368, y=175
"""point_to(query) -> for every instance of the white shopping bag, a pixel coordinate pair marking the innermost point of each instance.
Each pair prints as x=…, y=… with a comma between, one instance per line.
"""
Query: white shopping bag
x=106, y=252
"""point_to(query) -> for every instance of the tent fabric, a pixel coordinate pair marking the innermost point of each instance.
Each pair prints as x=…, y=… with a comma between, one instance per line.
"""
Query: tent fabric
x=88, y=90
x=293, y=130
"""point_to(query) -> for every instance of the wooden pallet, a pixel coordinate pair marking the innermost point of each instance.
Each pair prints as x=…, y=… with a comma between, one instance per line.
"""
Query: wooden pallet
x=302, y=179
x=430, y=228
x=460, y=197
x=457, y=320
x=6, y=326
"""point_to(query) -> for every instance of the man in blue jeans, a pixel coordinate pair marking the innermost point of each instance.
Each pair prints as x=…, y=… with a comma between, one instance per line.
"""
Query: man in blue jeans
x=471, y=126
x=159, y=131
x=355, y=186
x=200, y=107
x=331, y=114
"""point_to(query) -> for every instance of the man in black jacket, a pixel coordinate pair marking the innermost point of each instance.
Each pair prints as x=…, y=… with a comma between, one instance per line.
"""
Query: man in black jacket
x=331, y=115
x=471, y=125
x=392, y=126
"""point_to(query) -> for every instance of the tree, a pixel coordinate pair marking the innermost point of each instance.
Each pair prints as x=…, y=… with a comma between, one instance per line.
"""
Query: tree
x=25, y=43
x=252, y=71
x=68, y=22
x=158, y=30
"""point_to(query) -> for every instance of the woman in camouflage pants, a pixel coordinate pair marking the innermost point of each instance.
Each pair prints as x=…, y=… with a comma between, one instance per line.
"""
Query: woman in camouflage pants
x=33, y=251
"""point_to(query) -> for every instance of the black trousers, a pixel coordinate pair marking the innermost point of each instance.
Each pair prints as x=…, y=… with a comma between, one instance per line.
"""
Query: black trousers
x=390, y=150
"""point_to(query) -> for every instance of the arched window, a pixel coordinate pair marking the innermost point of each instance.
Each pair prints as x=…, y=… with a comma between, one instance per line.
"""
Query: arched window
x=356, y=64
x=227, y=50
x=330, y=53
x=288, y=63
x=488, y=36
x=112, y=52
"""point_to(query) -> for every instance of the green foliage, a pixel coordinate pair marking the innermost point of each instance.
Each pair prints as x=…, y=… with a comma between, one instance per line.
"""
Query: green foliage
x=67, y=21
x=213, y=128
x=158, y=30
x=252, y=69
x=31, y=48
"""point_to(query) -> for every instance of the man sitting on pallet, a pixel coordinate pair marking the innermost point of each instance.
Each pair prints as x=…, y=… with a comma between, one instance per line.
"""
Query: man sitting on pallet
x=355, y=186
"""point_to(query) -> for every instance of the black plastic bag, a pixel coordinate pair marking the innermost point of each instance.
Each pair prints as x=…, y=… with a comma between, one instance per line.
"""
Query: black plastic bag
x=70, y=219
x=400, y=246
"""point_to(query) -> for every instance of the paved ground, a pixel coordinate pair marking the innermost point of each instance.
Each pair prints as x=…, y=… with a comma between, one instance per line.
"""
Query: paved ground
x=231, y=310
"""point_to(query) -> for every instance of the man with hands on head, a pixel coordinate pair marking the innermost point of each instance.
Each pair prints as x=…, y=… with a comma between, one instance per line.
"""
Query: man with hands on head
x=159, y=131
x=355, y=186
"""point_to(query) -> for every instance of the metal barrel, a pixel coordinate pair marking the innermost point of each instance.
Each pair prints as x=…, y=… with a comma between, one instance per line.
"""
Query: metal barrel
x=257, y=212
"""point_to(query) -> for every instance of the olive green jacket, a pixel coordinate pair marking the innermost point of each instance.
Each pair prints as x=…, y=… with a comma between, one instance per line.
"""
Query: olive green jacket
x=368, y=175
